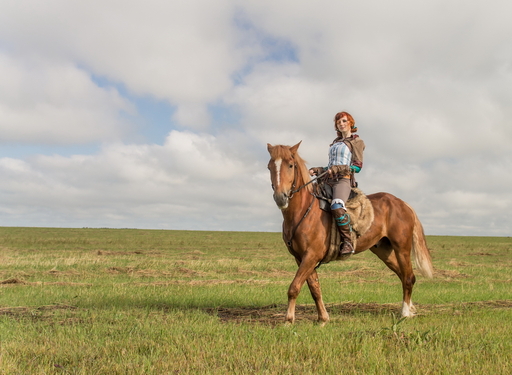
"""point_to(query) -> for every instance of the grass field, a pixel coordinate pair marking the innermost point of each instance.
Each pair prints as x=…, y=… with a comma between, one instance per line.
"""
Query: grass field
x=105, y=301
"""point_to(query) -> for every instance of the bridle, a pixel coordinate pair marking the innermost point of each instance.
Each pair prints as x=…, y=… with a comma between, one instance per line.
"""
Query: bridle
x=296, y=190
x=293, y=191
x=308, y=210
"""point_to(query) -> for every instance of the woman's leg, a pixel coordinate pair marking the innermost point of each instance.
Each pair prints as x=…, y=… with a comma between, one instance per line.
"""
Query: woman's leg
x=341, y=191
x=340, y=194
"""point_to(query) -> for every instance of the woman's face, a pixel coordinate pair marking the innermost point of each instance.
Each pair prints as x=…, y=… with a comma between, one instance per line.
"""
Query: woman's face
x=343, y=124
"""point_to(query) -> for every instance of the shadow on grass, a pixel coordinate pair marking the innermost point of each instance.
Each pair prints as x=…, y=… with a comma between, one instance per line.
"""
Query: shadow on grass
x=271, y=315
x=267, y=315
x=275, y=314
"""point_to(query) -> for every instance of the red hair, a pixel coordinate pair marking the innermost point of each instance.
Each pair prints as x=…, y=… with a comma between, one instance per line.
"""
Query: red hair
x=350, y=120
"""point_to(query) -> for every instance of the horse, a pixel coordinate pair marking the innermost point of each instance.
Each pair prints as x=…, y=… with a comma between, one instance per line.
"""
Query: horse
x=395, y=235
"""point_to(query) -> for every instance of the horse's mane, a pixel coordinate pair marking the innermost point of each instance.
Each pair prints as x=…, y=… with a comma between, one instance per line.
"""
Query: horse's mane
x=283, y=152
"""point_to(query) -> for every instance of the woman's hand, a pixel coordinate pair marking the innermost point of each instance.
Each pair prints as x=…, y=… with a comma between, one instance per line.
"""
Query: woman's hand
x=339, y=170
x=315, y=171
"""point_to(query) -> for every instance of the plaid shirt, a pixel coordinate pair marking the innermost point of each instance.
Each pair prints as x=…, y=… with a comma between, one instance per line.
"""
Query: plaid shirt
x=339, y=154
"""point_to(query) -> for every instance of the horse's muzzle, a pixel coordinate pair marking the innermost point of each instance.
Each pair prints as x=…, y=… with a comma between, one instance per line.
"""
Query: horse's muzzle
x=281, y=200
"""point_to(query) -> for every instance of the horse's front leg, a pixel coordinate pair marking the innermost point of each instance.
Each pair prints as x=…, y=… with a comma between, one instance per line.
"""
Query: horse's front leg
x=306, y=268
x=316, y=293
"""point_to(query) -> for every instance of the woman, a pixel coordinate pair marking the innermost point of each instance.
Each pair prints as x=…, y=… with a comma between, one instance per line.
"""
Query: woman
x=345, y=159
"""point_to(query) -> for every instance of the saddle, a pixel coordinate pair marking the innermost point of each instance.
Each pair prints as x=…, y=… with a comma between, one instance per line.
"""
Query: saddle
x=361, y=214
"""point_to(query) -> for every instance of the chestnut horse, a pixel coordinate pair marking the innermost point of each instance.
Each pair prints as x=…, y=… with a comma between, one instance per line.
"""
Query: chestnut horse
x=395, y=235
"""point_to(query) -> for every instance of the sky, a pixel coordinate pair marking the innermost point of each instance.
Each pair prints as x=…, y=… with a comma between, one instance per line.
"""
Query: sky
x=157, y=114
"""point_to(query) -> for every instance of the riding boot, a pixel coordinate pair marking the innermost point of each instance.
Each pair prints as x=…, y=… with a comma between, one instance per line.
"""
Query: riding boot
x=342, y=219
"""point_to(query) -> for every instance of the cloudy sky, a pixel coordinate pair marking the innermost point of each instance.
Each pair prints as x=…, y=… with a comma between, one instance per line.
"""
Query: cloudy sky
x=156, y=114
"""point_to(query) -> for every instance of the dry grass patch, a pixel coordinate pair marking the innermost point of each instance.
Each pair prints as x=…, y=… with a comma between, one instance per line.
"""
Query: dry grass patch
x=16, y=282
x=58, y=273
x=48, y=313
x=125, y=253
x=210, y=282
x=12, y=281
x=449, y=274
x=274, y=314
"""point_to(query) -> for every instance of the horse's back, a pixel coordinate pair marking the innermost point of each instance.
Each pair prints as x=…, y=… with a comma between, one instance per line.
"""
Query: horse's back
x=389, y=202
x=392, y=213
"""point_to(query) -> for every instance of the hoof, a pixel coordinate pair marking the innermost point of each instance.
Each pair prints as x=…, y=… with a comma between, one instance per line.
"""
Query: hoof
x=408, y=310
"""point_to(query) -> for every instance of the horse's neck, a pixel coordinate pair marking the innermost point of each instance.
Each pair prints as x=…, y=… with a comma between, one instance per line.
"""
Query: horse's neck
x=297, y=207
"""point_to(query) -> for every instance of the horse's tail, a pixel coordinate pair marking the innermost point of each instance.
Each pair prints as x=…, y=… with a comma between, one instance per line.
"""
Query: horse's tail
x=420, y=251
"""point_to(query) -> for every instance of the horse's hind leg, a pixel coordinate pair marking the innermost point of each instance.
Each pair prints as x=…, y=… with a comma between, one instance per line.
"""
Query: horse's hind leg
x=316, y=293
x=400, y=263
x=385, y=252
x=403, y=256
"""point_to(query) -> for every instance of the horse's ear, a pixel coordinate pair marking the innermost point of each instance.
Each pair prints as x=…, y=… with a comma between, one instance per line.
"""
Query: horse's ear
x=294, y=149
x=269, y=147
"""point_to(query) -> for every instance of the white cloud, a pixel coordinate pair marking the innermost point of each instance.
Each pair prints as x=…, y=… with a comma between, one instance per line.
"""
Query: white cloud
x=56, y=104
x=183, y=51
x=187, y=183
x=194, y=116
x=428, y=84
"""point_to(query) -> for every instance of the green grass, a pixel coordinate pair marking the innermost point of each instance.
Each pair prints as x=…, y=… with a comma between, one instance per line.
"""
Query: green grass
x=103, y=301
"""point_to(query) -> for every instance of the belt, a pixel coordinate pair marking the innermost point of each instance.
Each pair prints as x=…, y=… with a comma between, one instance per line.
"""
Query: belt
x=337, y=178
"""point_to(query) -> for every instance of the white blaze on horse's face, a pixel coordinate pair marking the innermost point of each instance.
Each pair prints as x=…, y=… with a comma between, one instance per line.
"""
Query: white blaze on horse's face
x=282, y=172
x=282, y=175
x=278, y=173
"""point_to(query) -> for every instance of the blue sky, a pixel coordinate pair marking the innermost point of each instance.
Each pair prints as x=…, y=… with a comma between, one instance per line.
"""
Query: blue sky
x=150, y=115
x=153, y=117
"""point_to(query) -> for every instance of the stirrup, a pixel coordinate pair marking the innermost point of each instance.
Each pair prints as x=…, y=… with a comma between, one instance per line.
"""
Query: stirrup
x=342, y=246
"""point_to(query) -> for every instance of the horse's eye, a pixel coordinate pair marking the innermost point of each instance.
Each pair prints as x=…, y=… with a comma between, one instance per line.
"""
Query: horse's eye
x=291, y=166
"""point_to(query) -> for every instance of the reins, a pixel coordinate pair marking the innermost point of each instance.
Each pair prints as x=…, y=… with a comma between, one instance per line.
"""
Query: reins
x=306, y=184
x=289, y=242
x=292, y=192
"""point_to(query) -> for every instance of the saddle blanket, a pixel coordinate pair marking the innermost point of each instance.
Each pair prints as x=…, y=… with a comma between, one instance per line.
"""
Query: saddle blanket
x=361, y=214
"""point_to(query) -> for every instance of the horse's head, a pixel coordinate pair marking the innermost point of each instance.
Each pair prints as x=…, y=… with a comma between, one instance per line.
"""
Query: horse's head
x=283, y=172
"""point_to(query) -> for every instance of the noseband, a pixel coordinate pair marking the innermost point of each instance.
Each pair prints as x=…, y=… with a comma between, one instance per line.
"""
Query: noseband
x=293, y=190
